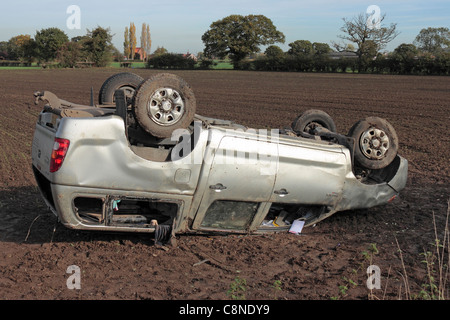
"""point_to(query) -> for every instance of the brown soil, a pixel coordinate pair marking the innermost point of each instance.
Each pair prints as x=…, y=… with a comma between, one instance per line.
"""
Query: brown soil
x=324, y=262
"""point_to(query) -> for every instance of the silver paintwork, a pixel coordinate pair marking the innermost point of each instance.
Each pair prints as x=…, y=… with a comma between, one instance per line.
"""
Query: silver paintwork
x=101, y=164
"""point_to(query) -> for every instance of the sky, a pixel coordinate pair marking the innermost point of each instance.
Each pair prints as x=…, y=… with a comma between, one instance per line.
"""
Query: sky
x=178, y=25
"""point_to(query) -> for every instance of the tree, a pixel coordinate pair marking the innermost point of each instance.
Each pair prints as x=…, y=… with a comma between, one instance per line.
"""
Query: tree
x=78, y=39
x=273, y=60
x=322, y=62
x=146, y=40
x=98, y=46
x=274, y=52
x=239, y=36
x=132, y=38
x=343, y=48
x=367, y=53
x=170, y=61
x=406, y=51
x=20, y=47
x=358, y=31
x=301, y=48
x=433, y=40
x=143, y=41
x=48, y=42
x=117, y=55
x=403, y=58
x=69, y=54
x=149, y=41
x=4, y=49
x=126, y=43
x=321, y=49
x=160, y=51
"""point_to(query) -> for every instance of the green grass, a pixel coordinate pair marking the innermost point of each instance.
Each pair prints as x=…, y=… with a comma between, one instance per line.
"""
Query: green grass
x=19, y=68
x=134, y=65
x=222, y=65
x=34, y=65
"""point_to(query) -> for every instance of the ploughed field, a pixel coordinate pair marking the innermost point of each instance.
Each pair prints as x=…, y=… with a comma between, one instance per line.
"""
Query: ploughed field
x=327, y=261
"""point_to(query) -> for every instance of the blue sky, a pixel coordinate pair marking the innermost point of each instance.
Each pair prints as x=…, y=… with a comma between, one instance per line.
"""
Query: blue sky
x=178, y=25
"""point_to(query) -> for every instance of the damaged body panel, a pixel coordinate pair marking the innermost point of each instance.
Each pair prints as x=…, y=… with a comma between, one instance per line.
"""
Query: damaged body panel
x=214, y=176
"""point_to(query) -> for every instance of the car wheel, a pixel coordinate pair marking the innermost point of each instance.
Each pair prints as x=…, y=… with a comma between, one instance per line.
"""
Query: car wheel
x=126, y=81
x=376, y=143
x=164, y=103
x=310, y=119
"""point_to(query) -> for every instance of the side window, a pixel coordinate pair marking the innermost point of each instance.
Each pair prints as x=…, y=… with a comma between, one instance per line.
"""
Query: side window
x=126, y=212
x=145, y=213
x=225, y=214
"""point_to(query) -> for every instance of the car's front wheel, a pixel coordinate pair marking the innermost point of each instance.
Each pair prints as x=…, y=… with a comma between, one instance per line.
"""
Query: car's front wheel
x=376, y=143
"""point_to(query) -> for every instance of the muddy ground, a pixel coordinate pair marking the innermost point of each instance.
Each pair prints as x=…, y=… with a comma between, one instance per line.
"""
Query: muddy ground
x=325, y=262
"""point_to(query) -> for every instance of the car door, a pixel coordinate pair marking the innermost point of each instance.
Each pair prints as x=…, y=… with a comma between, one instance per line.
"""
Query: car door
x=241, y=177
x=309, y=173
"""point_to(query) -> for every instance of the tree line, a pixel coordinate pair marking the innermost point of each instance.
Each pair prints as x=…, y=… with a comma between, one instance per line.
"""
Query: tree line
x=239, y=36
x=405, y=59
x=52, y=44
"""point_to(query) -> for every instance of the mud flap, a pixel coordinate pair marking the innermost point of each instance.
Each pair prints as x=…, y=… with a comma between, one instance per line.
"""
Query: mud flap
x=121, y=105
x=165, y=235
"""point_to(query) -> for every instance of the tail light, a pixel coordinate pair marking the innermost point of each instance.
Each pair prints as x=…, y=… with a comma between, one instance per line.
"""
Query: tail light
x=58, y=153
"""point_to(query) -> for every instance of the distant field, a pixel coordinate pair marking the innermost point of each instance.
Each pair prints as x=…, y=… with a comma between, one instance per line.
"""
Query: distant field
x=19, y=68
x=221, y=65
x=33, y=66
x=134, y=65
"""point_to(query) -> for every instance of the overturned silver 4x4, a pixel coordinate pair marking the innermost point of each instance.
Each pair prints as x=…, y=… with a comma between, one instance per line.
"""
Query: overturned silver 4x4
x=142, y=160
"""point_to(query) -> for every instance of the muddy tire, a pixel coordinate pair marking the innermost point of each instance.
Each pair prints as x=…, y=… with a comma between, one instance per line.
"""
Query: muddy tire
x=308, y=120
x=376, y=143
x=125, y=80
x=164, y=103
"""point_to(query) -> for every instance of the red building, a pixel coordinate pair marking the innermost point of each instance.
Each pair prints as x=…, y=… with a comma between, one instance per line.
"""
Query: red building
x=140, y=54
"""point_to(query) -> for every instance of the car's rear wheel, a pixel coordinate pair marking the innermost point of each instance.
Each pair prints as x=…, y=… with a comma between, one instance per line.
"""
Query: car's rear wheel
x=164, y=103
x=309, y=120
x=376, y=143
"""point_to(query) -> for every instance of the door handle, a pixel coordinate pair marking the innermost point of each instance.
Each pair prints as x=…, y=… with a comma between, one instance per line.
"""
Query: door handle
x=217, y=187
x=281, y=192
